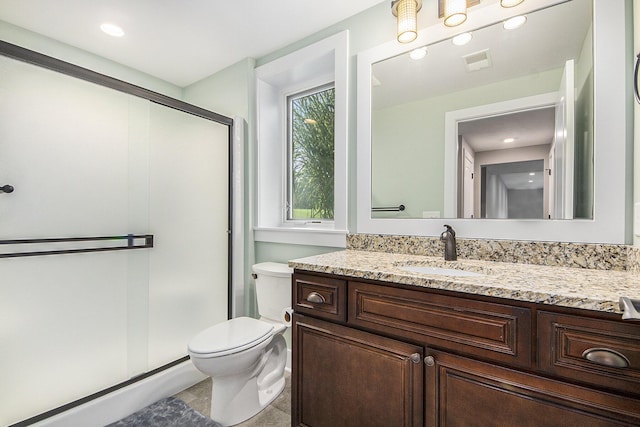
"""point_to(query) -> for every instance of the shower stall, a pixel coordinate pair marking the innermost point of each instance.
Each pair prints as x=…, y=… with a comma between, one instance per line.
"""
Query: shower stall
x=115, y=241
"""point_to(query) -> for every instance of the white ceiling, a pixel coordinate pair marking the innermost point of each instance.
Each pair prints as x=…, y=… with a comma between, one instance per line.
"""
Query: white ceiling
x=180, y=41
x=531, y=127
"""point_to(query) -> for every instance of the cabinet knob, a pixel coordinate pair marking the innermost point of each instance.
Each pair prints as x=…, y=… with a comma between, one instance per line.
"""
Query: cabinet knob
x=415, y=357
x=315, y=298
x=606, y=357
x=429, y=361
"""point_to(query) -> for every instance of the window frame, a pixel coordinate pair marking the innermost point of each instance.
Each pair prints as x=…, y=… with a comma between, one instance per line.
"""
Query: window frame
x=313, y=66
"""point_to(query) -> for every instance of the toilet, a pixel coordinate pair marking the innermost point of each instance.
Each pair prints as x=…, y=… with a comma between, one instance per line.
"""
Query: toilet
x=246, y=357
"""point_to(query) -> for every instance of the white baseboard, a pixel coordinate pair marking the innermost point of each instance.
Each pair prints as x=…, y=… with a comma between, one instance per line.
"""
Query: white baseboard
x=125, y=401
x=288, y=367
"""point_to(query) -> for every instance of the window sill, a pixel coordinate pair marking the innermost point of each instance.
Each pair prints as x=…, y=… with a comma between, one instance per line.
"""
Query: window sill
x=301, y=236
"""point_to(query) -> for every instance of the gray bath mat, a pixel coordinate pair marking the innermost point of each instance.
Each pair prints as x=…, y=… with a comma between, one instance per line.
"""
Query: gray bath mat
x=169, y=412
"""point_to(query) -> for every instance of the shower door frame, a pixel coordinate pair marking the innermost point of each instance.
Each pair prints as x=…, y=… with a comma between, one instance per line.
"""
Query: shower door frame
x=41, y=60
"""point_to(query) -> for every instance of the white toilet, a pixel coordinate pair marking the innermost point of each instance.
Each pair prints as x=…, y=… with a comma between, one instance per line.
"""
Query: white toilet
x=246, y=357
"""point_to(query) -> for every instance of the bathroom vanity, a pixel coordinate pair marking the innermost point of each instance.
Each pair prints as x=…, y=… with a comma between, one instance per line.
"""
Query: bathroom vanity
x=400, y=340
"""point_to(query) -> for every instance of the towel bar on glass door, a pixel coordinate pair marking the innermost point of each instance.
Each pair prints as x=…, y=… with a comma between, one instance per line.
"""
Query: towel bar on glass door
x=130, y=238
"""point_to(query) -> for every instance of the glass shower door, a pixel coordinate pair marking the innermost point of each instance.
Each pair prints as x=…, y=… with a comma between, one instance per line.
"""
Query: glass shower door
x=86, y=160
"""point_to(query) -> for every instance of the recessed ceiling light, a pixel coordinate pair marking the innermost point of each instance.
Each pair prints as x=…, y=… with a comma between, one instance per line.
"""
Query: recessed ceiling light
x=112, y=29
x=532, y=174
x=418, y=53
x=530, y=180
x=508, y=140
x=515, y=22
x=462, y=39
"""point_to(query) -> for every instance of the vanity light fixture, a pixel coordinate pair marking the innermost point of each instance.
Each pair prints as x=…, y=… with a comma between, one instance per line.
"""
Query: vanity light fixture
x=515, y=22
x=510, y=3
x=112, y=29
x=407, y=13
x=462, y=39
x=455, y=12
x=419, y=53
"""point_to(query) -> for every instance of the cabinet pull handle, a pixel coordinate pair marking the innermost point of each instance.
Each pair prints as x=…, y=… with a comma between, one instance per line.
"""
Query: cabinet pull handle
x=315, y=298
x=606, y=357
x=415, y=357
x=429, y=361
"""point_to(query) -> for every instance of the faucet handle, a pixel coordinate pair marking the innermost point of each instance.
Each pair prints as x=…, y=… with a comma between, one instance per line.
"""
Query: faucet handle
x=450, y=230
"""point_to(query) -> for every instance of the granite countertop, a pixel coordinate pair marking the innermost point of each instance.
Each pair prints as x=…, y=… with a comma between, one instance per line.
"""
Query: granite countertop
x=563, y=286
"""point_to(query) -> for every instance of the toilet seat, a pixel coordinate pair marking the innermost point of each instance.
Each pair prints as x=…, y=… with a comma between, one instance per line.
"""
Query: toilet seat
x=230, y=337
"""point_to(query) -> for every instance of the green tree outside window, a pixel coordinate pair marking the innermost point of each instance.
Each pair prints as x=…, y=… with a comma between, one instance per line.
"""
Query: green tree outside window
x=311, y=156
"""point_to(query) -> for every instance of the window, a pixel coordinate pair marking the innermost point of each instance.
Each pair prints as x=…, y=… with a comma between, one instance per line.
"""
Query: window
x=310, y=178
x=300, y=184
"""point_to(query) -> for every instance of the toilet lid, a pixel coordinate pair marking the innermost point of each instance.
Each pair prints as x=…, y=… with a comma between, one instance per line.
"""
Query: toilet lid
x=235, y=334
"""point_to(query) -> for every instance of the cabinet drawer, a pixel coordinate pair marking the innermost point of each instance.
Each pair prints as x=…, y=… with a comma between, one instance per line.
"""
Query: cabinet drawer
x=565, y=341
x=320, y=296
x=488, y=330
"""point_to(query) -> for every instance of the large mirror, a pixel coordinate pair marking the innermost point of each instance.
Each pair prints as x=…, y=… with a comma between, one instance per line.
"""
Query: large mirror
x=504, y=127
x=519, y=104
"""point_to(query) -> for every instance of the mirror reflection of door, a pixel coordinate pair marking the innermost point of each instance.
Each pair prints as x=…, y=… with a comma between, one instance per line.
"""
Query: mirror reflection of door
x=504, y=157
x=513, y=190
x=563, y=146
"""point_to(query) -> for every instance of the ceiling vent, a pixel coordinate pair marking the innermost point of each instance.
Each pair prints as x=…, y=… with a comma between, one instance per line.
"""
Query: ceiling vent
x=477, y=60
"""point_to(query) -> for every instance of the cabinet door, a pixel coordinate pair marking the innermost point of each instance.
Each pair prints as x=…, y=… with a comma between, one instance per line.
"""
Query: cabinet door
x=345, y=377
x=467, y=393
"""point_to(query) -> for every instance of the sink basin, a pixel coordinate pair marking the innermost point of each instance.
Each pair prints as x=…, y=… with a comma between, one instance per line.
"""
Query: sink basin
x=440, y=271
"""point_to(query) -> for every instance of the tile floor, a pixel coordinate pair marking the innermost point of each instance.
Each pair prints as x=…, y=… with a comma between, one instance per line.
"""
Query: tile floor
x=278, y=414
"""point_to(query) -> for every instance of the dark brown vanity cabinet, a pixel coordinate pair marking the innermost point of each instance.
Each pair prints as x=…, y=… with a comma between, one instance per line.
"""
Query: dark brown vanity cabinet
x=346, y=377
x=482, y=361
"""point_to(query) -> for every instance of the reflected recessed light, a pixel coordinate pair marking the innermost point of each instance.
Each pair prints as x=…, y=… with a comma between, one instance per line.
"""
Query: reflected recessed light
x=310, y=121
x=418, y=53
x=112, y=29
x=515, y=22
x=532, y=174
x=508, y=140
x=530, y=180
x=462, y=39
x=510, y=3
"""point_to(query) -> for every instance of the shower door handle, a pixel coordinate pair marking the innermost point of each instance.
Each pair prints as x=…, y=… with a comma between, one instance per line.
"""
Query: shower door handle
x=636, y=93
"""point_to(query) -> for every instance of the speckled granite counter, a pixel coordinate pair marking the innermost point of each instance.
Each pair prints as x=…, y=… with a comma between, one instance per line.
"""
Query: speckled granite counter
x=563, y=286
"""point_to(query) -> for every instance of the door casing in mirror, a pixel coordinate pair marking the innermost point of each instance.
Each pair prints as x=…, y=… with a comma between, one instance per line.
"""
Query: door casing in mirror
x=612, y=183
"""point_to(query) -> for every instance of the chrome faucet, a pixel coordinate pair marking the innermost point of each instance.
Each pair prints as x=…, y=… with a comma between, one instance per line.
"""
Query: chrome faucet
x=449, y=238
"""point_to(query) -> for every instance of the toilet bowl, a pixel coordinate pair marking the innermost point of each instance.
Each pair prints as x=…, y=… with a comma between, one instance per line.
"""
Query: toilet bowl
x=246, y=357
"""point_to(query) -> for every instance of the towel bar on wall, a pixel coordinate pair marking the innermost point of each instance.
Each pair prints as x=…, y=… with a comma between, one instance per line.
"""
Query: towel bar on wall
x=389, y=209
x=130, y=240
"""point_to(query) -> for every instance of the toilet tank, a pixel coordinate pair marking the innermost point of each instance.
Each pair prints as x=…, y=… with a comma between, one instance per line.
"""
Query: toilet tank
x=273, y=289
